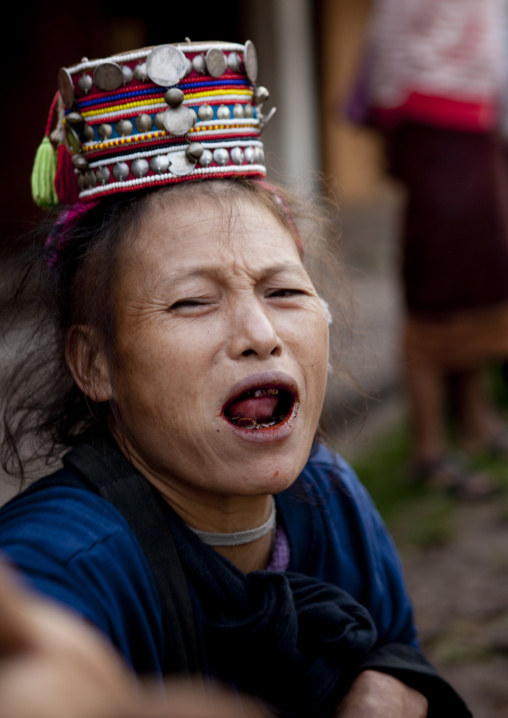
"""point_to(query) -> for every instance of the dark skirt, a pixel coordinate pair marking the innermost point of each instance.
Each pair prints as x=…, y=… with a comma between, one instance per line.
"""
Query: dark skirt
x=455, y=223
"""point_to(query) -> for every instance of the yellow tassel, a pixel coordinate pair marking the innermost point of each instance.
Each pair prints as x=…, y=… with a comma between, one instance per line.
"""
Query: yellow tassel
x=43, y=175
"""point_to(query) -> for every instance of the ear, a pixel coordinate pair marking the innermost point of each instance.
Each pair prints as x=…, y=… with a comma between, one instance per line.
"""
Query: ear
x=87, y=360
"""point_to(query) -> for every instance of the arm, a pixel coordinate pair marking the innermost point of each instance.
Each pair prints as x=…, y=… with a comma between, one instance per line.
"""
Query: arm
x=53, y=665
x=353, y=549
x=378, y=695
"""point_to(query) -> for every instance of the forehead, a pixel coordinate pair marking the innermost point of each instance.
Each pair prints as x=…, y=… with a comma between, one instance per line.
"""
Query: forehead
x=198, y=232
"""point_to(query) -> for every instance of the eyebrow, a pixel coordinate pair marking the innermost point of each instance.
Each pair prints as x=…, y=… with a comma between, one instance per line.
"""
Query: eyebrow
x=214, y=272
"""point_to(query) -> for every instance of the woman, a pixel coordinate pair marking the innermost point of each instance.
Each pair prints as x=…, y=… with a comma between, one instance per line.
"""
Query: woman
x=435, y=87
x=193, y=356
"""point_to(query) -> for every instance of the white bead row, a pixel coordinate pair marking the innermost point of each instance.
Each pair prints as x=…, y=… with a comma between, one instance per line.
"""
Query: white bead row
x=198, y=171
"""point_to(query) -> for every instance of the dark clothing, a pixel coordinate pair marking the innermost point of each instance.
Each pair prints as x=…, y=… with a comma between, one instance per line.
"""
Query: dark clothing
x=455, y=224
x=296, y=639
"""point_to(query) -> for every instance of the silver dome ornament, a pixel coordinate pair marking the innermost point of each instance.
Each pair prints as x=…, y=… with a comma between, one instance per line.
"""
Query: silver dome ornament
x=249, y=111
x=108, y=76
x=205, y=113
x=206, y=159
x=159, y=164
x=178, y=121
x=181, y=164
x=124, y=128
x=140, y=167
x=166, y=65
x=238, y=112
x=143, y=122
x=194, y=116
x=249, y=155
x=223, y=112
x=194, y=151
x=261, y=94
x=174, y=97
x=259, y=156
x=159, y=120
x=121, y=171
x=89, y=133
x=140, y=72
x=90, y=178
x=81, y=180
x=74, y=119
x=80, y=162
x=85, y=83
x=234, y=61
x=66, y=86
x=250, y=60
x=221, y=156
x=188, y=67
x=199, y=64
x=216, y=62
x=127, y=73
x=103, y=175
x=105, y=131
x=237, y=155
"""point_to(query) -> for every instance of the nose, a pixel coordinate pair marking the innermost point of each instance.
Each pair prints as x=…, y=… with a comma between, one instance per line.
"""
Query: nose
x=253, y=331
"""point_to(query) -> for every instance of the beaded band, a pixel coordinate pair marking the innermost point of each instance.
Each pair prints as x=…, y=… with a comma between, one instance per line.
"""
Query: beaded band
x=160, y=115
x=238, y=538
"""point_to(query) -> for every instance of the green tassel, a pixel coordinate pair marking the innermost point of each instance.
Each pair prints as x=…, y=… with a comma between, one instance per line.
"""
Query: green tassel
x=43, y=175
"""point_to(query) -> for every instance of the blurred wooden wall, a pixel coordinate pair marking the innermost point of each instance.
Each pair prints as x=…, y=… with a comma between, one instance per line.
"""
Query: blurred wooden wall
x=352, y=156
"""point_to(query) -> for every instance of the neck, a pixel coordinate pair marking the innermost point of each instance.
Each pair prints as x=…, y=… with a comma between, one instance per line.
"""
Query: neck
x=254, y=556
x=212, y=512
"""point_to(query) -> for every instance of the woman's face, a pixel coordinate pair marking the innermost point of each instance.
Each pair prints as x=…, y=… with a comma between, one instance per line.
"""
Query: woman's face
x=222, y=348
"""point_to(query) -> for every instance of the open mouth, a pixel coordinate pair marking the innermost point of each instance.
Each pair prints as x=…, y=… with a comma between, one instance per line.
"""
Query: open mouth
x=260, y=408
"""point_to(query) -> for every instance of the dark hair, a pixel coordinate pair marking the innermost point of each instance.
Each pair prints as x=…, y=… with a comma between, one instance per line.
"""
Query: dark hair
x=44, y=410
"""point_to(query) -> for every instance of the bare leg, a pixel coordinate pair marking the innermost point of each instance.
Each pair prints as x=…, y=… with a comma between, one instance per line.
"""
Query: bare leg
x=479, y=422
x=425, y=385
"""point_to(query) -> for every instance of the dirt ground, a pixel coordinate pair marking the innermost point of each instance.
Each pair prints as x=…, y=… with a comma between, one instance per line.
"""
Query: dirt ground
x=460, y=594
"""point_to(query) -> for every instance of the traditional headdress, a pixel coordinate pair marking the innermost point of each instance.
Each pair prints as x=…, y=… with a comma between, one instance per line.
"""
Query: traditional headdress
x=155, y=116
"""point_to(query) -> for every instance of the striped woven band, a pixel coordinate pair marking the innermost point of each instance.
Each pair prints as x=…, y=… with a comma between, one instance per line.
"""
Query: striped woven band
x=160, y=115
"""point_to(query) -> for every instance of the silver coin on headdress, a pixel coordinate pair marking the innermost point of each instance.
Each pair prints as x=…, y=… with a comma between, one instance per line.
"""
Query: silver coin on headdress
x=181, y=164
x=250, y=60
x=179, y=121
x=108, y=76
x=216, y=62
x=166, y=65
x=66, y=86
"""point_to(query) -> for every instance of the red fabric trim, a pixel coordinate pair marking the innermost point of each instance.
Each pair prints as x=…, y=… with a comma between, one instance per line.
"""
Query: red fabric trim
x=463, y=115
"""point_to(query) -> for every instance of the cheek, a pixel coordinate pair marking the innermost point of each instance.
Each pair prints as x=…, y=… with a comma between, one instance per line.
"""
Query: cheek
x=312, y=340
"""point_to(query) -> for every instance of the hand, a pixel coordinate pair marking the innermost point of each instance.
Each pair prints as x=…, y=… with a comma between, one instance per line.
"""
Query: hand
x=379, y=695
x=53, y=665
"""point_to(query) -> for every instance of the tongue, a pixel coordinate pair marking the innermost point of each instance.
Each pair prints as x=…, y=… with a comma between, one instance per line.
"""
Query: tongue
x=257, y=408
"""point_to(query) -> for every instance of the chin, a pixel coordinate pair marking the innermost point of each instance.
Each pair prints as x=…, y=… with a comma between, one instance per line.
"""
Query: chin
x=269, y=475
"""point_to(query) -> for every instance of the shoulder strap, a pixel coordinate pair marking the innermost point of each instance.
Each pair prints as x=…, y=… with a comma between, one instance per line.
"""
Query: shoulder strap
x=117, y=481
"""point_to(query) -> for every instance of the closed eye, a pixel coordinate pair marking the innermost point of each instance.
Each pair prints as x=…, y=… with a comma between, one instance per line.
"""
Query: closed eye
x=287, y=292
x=186, y=303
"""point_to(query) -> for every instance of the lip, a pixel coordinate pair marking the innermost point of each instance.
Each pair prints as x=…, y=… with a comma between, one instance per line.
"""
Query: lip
x=269, y=380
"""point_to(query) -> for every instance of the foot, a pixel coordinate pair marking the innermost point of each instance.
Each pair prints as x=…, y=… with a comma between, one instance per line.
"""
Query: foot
x=452, y=473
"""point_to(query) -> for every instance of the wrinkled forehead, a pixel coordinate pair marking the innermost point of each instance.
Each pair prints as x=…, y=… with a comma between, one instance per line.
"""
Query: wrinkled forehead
x=191, y=229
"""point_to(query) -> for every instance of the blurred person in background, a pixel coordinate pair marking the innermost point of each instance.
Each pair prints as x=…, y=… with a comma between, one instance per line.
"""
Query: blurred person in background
x=432, y=80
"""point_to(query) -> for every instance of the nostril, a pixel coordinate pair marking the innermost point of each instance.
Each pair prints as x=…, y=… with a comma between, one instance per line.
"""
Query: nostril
x=248, y=352
x=276, y=351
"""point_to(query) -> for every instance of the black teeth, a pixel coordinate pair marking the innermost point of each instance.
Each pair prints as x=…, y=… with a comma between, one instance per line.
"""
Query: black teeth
x=285, y=403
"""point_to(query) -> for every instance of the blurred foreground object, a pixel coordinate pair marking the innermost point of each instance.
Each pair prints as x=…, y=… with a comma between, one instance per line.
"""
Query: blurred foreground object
x=53, y=665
